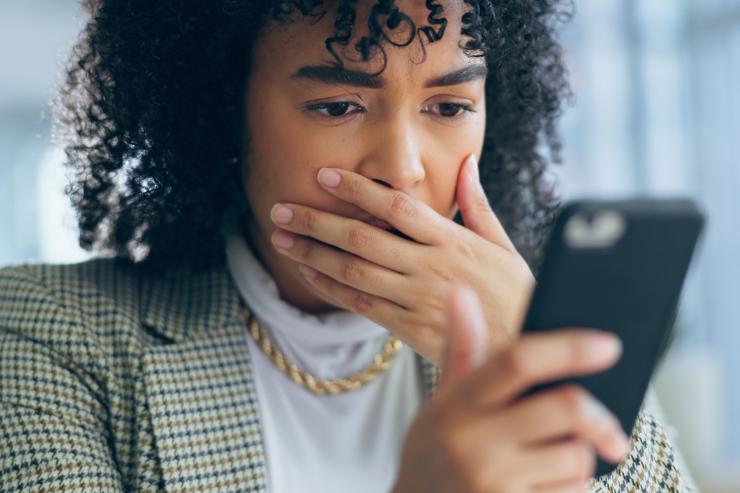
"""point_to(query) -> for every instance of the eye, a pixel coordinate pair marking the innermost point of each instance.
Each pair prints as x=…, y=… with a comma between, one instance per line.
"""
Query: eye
x=334, y=109
x=451, y=110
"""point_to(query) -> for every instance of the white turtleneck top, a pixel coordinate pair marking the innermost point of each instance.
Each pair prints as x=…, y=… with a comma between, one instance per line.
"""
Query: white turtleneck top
x=324, y=444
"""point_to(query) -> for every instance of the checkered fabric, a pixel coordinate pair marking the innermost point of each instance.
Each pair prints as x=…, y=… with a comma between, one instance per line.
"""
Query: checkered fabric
x=112, y=382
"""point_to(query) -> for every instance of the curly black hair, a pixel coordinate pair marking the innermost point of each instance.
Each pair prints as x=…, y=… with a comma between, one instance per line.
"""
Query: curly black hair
x=151, y=113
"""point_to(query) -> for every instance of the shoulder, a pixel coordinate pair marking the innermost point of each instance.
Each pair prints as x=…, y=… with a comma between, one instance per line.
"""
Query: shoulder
x=70, y=295
x=78, y=312
x=65, y=282
x=113, y=303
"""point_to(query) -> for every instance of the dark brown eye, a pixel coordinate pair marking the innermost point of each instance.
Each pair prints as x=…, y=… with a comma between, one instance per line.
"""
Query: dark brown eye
x=449, y=109
x=335, y=109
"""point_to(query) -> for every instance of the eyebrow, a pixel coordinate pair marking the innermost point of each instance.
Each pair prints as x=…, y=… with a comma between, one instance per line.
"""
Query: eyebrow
x=357, y=78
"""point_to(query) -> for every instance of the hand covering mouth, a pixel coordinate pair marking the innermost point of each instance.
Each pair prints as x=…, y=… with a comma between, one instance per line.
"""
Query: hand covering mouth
x=379, y=223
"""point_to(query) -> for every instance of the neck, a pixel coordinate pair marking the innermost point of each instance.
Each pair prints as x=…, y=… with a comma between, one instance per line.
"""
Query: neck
x=292, y=288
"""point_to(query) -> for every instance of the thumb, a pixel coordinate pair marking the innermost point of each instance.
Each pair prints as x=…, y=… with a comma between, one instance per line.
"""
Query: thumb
x=466, y=340
x=476, y=212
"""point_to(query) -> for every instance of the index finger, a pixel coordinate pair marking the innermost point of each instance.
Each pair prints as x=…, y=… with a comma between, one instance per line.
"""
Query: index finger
x=410, y=216
x=539, y=358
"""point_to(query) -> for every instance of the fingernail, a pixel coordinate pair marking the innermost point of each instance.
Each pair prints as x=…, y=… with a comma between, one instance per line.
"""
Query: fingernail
x=598, y=411
x=307, y=271
x=329, y=178
x=281, y=214
x=282, y=239
x=606, y=344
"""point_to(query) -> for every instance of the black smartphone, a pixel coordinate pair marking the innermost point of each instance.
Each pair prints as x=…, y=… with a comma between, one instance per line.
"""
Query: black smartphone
x=617, y=265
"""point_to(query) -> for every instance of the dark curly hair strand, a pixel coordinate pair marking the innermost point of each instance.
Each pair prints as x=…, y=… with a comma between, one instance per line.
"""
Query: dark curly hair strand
x=152, y=108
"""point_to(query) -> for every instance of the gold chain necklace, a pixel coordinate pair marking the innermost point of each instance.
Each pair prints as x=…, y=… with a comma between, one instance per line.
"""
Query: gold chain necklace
x=316, y=385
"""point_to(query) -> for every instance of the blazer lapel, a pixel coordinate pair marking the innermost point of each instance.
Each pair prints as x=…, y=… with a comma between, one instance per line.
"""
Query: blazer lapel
x=205, y=413
x=200, y=387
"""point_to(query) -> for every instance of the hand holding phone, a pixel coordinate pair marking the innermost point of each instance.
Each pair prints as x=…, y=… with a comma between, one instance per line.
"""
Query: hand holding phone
x=531, y=416
x=475, y=434
x=617, y=266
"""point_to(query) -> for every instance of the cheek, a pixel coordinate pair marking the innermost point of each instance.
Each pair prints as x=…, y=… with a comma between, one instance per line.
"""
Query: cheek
x=446, y=161
x=285, y=155
x=274, y=145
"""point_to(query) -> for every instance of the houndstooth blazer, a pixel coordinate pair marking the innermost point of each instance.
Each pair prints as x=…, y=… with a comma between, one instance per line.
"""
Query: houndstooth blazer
x=111, y=382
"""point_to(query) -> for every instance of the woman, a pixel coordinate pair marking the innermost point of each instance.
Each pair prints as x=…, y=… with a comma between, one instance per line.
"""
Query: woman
x=289, y=194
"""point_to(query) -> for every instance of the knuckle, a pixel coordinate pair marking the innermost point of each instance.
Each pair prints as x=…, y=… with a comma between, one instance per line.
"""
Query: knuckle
x=573, y=399
x=361, y=303
x=517, y=360
x=401, y=206
x=351, y=272
x=308, y=220
x=352, y=188
x=358, y=239
x=463, y=248
x=305, y=251
x=439, y=271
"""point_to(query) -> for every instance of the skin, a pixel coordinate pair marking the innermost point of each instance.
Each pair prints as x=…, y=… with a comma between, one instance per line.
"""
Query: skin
x=401, y=161
x=476, y=435
x=401, y=149
x=401, y=146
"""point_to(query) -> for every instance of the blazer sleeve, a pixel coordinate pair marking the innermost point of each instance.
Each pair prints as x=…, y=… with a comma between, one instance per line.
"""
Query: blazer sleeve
x=54, y=427
x=654, y=463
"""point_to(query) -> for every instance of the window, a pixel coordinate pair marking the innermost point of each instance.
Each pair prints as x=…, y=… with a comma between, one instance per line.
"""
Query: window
x=658, y=113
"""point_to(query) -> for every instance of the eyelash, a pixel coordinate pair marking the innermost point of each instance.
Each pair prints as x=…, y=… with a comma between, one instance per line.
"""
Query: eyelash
x=318, y=107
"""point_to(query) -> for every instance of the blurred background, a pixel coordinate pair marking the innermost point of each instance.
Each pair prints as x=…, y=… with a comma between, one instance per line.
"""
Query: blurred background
x=657, y=112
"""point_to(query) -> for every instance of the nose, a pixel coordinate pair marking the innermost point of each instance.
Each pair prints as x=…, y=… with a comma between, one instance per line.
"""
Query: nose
x=394, y=156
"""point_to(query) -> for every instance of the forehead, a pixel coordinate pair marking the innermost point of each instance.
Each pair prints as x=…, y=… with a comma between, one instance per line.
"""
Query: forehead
x=288, y=46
